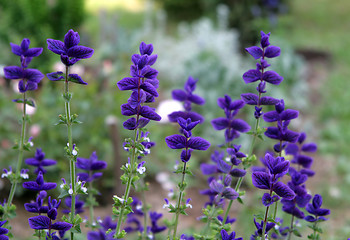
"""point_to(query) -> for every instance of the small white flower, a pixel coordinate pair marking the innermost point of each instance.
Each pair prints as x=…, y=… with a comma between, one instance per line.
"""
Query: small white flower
x=176, y=166
x=24, y=175
x=67, y=144
x=120, y=199
x=74, y=152
x=141, y=170
x=171, y=194
x=147, y=139
x=227, y=159
x=150, y=236
x=167, y=204
x=139, y=207
x=6, y=173
x=31, y=144
x=70, y=191
x=93, y=223
x=147, y=151
x=84, y=220
x=188, y=203
x=62, y=185
x=84, y=189
x=99, y=220
x=126, y=148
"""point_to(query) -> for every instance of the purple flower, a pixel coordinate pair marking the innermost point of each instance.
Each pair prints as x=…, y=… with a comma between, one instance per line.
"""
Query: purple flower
x=228, y=220
x=30, y=78
x=268, y=200
x=277, y=167
x=25, y=52
x=79, y=205
x=154, y=228
x=188, y=98
x=69, y=50
x=259, y=74
x=302, y=197
x=283, y=117
x=299, y=150
x=315, y=209
x=185, y=237
x=232, y=126
x=45, y=222
x=3, y=231
x=39, y=184
x=90, y=165
x=226, y=236
x=143, y=83
x=38, y=205
x=39, y=161
x=186, y=142
x=259, y=227
x=106, y=224
x=133, y=218
x=70, y=53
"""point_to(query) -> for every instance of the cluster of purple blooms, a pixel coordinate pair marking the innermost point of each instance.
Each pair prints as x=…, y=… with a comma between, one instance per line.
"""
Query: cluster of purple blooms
x=143, y=83
x=42, y=222
x=29, y=78
x=186, y=141
x=101, y=234
x=231, y=125
x=269, y=179
x=188, y=98
x=259, y=74
x=70, y=53
x=226, y=164
x=221, y=187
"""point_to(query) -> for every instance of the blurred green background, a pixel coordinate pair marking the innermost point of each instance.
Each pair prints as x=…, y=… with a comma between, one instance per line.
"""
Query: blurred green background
x=200, y=38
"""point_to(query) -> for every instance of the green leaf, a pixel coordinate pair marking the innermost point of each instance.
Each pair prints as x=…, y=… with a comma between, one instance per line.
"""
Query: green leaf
x=64, y=193
x=76, y=229
x=188, y=171
x=259, y=217
x=67, y=97
x=297, y=233
x=29, y=102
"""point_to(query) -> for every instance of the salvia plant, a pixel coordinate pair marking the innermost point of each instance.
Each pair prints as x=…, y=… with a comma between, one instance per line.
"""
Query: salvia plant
x=280, y=175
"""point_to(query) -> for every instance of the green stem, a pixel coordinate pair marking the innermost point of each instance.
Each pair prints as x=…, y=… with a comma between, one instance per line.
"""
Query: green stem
x=226, y=213
x=143, y=197
x=128, y=186
x=264, y=224
x=179, y=201
x=240, y=180
x=315, y=233
x=91, y=206
x=70, y=147
x=207, y=226
x=275, y=212
x=291, y=228
x=20, y=157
